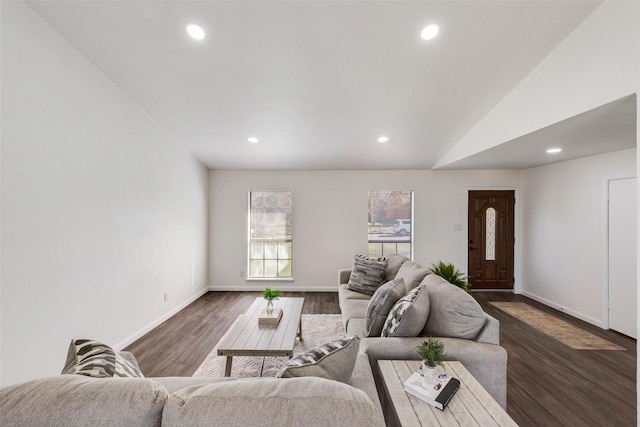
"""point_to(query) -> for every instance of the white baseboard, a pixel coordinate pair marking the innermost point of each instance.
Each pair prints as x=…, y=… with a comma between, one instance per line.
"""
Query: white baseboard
x=260, y=287
x=129, y=340
x=559, y=307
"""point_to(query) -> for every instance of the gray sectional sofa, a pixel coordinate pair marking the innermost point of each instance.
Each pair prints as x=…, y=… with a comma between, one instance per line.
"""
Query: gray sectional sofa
x=76, y=400
x=470, y=335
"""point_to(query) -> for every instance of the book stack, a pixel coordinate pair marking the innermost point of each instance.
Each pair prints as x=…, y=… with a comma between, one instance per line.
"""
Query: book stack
x=437, y=394
x=272, y=318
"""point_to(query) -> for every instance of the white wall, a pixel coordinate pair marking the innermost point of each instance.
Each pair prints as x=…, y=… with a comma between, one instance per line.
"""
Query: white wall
x=564, y=234
x=102, y=211
x=330, y=219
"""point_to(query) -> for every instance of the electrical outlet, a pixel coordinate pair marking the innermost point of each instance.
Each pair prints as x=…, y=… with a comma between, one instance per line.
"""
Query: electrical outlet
x=241, y=273
x=166, y=297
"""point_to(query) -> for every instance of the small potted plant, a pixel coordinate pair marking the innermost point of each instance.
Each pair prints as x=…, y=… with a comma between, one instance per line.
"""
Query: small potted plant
x=432, y=353
x=271, y=295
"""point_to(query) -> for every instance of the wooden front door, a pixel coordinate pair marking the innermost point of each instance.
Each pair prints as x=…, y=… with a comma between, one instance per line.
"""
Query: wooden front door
x=491, y=239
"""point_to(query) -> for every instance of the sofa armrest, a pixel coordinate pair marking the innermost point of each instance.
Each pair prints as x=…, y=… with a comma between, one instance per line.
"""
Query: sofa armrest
x=490, y=332
x=343, y=276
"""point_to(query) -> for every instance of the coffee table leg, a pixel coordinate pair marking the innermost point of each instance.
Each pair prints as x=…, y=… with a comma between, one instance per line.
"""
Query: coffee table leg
x=227, y=366
x=300, y=329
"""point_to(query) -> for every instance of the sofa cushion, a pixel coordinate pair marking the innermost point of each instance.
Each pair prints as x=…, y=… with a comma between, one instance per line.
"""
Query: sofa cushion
x=272, y=402
x=412, y=273
x=353, y=309
x=173, y=384
x=355, y=327
x=333, y=360
x=367, y=274
x=408, y=315
x=380, y=304
x=346, y=293
x=95, y=359
x=454, y=313
x=394, y=262
x=75, y=400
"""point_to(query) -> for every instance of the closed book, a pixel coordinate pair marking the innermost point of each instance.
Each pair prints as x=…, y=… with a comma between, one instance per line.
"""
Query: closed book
x=438, y=394
x=272, y=318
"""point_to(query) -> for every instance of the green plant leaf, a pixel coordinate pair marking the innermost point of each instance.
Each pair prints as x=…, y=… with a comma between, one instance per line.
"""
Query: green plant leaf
x=452, y=275
x=431, y=351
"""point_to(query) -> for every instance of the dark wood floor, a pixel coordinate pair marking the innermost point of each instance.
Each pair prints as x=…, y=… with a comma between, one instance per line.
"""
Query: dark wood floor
x=549, y=384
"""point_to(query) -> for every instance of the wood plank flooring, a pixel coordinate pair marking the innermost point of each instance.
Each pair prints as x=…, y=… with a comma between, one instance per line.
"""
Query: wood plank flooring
x=549, y=384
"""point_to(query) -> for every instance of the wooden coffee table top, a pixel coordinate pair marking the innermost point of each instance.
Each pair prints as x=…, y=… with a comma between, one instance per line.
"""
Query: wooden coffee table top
x=472, y=405
x=247, y=338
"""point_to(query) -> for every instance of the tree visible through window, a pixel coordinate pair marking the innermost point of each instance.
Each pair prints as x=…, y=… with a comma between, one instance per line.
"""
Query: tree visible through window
x=270, y=225
x=390, y=223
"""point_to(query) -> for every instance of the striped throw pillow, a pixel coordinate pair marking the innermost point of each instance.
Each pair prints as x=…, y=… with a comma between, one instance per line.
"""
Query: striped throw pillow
x=334, y=360
x=94, y=359
x=367, y=274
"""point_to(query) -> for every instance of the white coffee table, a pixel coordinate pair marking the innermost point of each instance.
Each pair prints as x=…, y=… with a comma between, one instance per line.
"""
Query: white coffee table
x=247, y=338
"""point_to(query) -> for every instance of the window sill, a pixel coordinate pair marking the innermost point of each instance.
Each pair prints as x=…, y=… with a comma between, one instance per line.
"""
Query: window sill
x=269, y=279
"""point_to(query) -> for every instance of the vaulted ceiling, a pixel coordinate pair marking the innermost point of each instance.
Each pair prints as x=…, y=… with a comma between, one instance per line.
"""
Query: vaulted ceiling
x=317, y=82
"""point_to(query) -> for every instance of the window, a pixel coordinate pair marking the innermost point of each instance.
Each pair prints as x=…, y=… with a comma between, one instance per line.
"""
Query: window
x=390, y=223
x=270, y=214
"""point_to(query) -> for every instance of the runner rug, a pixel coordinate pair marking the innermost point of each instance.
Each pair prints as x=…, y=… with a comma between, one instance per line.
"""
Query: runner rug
x=558, y=329
x=317, y=329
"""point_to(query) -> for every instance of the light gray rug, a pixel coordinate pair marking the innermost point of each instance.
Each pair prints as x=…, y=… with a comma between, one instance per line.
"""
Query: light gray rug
x=316, y=329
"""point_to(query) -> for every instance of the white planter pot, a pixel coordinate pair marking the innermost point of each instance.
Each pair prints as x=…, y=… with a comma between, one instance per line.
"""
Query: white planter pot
x=429, y=373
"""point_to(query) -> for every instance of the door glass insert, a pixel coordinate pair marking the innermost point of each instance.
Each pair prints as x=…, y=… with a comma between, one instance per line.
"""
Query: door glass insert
x=490, y=252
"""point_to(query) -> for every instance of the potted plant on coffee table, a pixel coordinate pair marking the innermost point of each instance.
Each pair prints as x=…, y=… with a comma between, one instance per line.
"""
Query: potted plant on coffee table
x=432, y=353
x=271, y=295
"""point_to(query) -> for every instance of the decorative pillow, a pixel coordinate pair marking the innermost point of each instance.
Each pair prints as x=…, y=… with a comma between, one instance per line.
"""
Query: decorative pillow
x=367, y=274
x=334, y=360
x=97, y=360
x=412, y=273
x=380, y=304
x=409, y=315
x=454, y=313
x=394, y=262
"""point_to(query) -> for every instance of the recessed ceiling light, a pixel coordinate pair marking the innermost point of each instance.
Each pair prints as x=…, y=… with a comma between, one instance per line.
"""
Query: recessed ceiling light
x=383, y=139
x=554, y=150
x=195, y=31
x=253, y=140
x=429, y=32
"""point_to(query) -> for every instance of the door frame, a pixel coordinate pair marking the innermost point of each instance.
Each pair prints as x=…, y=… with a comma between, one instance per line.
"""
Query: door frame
x=605, y=323
x=517, y=286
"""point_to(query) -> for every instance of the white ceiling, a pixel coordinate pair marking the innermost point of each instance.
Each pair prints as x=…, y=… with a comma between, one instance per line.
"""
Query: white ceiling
x=610, y=127
x=317, y=81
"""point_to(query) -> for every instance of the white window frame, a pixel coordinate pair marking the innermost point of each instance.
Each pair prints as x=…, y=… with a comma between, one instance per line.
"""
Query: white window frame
x=283, y=243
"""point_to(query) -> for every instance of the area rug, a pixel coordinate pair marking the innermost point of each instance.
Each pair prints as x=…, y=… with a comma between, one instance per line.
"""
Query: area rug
x=558, y=329
x=316, y=329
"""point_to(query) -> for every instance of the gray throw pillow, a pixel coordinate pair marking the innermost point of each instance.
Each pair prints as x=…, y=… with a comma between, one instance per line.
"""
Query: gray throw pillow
x=409, y=315
x=94, y=359
x=380, y=304
x=454, y=313
x=394, y=262
x=367, y=274
x=334, y=360
x=412, y=273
